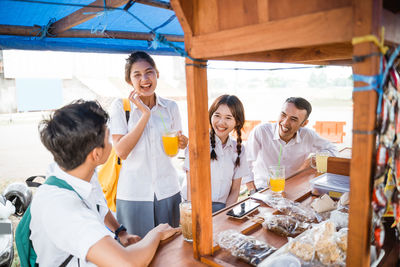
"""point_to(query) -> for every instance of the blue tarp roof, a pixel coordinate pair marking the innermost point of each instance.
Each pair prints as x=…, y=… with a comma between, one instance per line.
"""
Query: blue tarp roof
x=27, y=24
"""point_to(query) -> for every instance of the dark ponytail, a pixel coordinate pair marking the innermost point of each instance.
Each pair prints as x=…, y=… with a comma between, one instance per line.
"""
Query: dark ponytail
x=212, y=141
x=238, y=145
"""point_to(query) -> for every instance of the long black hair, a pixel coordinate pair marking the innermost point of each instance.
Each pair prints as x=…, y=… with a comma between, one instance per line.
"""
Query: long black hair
x=236, y=107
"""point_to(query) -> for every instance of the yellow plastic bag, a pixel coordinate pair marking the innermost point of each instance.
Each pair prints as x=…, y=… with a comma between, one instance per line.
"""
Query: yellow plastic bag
x=109, y=172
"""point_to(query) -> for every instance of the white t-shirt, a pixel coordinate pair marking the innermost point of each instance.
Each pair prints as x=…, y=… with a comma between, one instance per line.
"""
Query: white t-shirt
x=147, y=170
x=263, y=146
x=62, y=224
x=223, y=170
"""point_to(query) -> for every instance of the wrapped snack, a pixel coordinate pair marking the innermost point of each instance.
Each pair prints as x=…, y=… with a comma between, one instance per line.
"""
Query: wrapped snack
x=323, y=203
x=244, y=247
x=284, y=225
x=321, y=245
x=302, y=248
x=340, y=219
x=341, y=239
x=328, y=252
x=326, y=248
x=344, y=199
x=291, y=208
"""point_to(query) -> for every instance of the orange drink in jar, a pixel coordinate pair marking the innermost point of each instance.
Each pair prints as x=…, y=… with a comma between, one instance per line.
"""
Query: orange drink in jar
x=170, y=143
x=277, y=178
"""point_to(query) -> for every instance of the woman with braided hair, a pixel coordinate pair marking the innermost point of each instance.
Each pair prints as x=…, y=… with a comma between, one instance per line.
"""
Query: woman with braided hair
x=228, y=159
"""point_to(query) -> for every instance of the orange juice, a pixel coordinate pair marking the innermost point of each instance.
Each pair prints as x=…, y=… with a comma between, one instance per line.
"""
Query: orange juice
x=170, y=144
x=277, y=184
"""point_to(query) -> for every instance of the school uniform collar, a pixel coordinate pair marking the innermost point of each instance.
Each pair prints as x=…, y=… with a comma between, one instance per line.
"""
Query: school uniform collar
x=159, y=102
x=297, y=138
x=83, y=188
x=229, y=142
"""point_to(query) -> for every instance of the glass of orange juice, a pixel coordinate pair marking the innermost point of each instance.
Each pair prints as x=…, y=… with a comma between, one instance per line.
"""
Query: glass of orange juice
x=277, y=178
x=170, y=143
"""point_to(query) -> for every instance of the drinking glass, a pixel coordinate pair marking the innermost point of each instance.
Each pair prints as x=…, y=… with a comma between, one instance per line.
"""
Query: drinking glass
x=277, y=178
x=321, y=161
x=170, y=143
x=186, y=220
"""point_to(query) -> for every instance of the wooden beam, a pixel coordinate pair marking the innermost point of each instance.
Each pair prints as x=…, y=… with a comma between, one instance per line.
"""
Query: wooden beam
x=282, y=9
x=391, y=22
x=205, y=16
x=263, y=10
x=82, y=15
x=33, y=31
x=324, y=53
x=367, y=18
x=184, y=12
x=199, y=155
x=333, y=26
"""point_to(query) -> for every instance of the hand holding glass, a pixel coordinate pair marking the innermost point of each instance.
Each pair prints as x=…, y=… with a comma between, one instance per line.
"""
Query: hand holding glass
x=170, y=143
x=276, y=178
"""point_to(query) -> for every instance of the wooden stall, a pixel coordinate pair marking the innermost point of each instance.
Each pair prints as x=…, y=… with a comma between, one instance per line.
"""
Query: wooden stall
x=291, y=31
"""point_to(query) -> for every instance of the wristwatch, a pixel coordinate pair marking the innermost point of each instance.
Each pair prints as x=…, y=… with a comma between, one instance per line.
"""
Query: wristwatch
x=118, y=231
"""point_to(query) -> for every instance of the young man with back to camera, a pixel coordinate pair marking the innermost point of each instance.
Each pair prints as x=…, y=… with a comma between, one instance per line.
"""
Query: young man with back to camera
x=64, y=223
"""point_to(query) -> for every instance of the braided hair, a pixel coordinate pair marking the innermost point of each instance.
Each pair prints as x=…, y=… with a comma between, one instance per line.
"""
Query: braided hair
x=236, y=107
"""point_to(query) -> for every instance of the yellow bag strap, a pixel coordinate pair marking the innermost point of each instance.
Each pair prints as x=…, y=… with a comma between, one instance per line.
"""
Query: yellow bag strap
x=127, y=104
x=127, y=108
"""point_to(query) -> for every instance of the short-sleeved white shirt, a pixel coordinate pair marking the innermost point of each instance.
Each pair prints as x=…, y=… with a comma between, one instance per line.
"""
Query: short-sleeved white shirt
x=223, y=170
x=147, y=170
x=62, y=224
x=263, y=146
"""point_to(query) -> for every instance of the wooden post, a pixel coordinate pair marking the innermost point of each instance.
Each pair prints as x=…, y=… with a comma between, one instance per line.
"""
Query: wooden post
x=367, y=19
x=199, y=155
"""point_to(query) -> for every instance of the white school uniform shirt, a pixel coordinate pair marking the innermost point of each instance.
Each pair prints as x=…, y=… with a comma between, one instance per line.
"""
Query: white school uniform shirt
x=263, y=146
x=223, y=170
x=62, y=224
x=147, y=170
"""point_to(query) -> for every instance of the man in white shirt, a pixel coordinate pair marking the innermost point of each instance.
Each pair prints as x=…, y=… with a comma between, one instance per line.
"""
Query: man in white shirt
x=288, y=138
x=65, y=224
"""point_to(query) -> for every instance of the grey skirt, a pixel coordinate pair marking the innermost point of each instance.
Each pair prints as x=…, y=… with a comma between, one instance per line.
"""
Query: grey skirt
x=139, y=217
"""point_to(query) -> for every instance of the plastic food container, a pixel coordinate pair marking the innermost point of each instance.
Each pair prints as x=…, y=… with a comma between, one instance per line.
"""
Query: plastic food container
x=331, y=184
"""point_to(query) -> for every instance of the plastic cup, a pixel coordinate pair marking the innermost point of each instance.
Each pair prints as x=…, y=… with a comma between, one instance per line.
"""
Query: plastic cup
x=276, y=178
x=321, y=161
x=170, y=143
x=185, y=209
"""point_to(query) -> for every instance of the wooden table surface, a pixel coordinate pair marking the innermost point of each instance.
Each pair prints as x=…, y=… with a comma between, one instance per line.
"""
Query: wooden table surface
x=178, y=252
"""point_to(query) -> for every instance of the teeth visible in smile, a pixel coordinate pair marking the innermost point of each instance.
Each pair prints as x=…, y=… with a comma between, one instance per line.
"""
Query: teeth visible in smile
x=284, y=128
x=221, y=129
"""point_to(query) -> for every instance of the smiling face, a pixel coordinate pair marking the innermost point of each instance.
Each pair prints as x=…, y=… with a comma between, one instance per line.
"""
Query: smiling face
x=223, y=122
x=144, y=77
x=290, y=121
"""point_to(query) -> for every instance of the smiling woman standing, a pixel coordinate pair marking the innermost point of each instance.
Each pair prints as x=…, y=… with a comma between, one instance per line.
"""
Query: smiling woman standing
x=228, y=160
x=148, y=186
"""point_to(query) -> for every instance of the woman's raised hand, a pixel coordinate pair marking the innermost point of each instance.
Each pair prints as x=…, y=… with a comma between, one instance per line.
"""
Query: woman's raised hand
x=134, y=97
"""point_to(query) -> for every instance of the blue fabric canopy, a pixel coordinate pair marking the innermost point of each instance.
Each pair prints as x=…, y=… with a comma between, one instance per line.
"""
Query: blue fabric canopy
x=115, y=26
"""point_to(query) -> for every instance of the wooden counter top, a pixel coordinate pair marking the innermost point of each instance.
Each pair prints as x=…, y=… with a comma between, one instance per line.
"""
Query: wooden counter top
x=178, y=252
